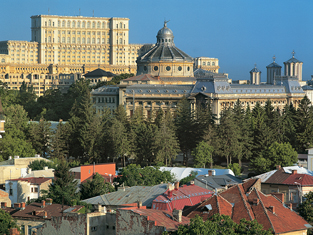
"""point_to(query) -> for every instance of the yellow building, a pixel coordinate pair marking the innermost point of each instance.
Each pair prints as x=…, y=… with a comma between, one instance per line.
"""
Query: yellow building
x=67, y=45
x=207, y=63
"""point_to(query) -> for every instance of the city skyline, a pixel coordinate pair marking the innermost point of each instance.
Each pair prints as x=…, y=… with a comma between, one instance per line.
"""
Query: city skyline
x=238, y=33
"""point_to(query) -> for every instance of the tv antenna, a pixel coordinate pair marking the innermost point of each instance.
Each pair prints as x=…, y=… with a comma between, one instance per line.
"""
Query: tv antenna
x=93, y=13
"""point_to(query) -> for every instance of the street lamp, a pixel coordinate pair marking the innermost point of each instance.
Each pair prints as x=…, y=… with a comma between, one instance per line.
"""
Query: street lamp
x=300, y=190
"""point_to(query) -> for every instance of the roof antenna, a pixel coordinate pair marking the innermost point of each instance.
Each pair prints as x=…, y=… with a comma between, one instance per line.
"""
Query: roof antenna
x=79, y=12
x=48, y=11
x=93, y=13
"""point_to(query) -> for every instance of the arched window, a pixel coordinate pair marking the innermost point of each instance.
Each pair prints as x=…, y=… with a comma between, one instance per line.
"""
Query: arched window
x=3, y=60
x=78, y=24
x=68, y=24
x=88, y=24
x=103, y=25
x=84, y=24
x=98, y=25
x=63, y=39
x=213, y=63
x=68, y=40
x=93, y=41
x=52, y=23
x=59, y=23
x=108, y=25
x=83, y=40
x=88, y=40
x=121, y=25
x=49, y=39
x=121, y=41
x=78, y=40
x=73, y=40
x=208, y=63
x=49, y=22
x=98, y=40
x=63, y=23
x=73, y=24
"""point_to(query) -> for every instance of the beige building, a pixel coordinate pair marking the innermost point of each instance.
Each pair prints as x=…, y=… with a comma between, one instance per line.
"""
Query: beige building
x=4, y=199
x=15, y=168
x=67, y=45
x=207, y=63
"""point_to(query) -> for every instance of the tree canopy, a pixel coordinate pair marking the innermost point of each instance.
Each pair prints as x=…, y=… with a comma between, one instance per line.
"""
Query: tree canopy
x=6, y=222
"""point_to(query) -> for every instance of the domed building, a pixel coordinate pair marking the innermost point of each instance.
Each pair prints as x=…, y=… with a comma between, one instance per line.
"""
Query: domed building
x=165, y=59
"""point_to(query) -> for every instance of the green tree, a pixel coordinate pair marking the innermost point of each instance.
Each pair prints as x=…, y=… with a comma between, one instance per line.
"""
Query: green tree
x=235, y=167
x=95, y=187
x=39, y=135
x=165, y=145
x=60, y=141
x=189, y=178
x=64, y=186
x=306, y=208
x=134, y=175
x=40, y=164
x=6, y=222
x=203, y=154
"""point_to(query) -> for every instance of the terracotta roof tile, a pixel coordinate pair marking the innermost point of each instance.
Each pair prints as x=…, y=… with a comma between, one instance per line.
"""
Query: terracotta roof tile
x=278, y=177
x=303, y=179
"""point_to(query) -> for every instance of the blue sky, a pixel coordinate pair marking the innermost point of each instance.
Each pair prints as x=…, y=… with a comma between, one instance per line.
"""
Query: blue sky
x=237, y=32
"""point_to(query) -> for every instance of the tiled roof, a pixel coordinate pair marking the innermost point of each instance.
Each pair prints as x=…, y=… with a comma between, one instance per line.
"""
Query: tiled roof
x=161, y=218
x=216, y=181
x=245, y=201
x=34, y=211
x=33, y=180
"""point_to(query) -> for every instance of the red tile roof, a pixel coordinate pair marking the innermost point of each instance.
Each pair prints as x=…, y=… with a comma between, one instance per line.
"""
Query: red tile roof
x=178, y=199
x=249, y=203
x=35, y=212
x=161, y=217
x=282, y=177
x=33, y=180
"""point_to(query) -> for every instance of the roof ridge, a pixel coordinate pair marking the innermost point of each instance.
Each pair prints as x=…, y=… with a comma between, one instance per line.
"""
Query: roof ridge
x=264, y=208
x=244, y=201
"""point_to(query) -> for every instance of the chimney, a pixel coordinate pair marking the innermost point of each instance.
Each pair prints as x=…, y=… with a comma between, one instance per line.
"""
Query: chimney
x=256, y=201
x=170, y=187
x=290, y=206
x=280, y=196
x=45, y=214
x=170, y=193
x=45, y=168
x=60, y=120
x=139, y=204
x=17, y=205
x=177, y=185
x=14, y=231
x=49, y=201
x=210, y=172
x=278, y=167
x=192, y=182
x=177, y=215
x=43, y=204
x=10, y=157
x=3, y=204
x=272, y=208
x=294, y=172
x=99, y=207
x=23, y=206
x=29, y=170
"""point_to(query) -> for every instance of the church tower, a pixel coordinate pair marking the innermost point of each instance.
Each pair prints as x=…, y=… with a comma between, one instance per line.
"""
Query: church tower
x=255, y=76
x=273, y=72
x=293, y=67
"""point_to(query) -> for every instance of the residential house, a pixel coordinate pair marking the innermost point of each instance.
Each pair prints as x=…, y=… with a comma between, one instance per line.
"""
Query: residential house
x=85, y=172
x=34, y=216
x=128, y=197
x=216, y=182
x=16, y=167
x=248, y=202
x=46, y=172
x=139, y=220
x=26, y=189
x=4, y=198
x=176, y=197
x=293, y=184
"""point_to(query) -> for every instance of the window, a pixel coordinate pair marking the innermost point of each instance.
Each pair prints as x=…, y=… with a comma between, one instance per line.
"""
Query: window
x=73, y=24
x=88, y=24
x=213, y=63
x=11, y=192
x=208, y=63
x=168, y=68
x=63, y=23
x=78, y=24
x=98, y=25
x=68, y=24
x=83, y=24
x=93, y=24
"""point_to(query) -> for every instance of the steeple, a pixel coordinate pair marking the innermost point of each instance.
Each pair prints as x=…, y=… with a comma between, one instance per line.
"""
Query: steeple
x=293, y=67
x=255, y=76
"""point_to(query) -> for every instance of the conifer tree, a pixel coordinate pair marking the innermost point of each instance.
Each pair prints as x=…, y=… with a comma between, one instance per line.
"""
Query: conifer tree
x=60, y=141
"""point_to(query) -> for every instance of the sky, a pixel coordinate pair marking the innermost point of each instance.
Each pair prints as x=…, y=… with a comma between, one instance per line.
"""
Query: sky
x=240, y=33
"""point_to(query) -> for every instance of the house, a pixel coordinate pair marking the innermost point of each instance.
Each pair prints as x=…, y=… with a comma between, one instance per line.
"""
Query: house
x=95, y=223
x=46, y=172
x=216, y=182
x=182, y=172
x=176, y=197
x=247, y=201
x=4, y=198
x=128, y=196
x=99, y=75
x=139, y=220
x=26, y=189
x=293, y=184
x=33, y=216
x=16, y=167
x=85, y=172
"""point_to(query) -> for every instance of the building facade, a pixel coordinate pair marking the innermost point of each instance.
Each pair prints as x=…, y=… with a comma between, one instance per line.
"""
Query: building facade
x=67, y=45
x=165, y=75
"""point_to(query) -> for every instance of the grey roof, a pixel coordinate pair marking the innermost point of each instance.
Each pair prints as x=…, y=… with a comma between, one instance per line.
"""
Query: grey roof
x=165, y=49
x=216, y=181
x=201, y=73
x=212, y=85
x=146, y=194
x=293, y=60
x=106, y=90
x=99, y=73
x=255, y=70
x=181, y=79
x=306, y=87
x=292, y=85
x=254, y=89
x=159, y=89
x=273, y=65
